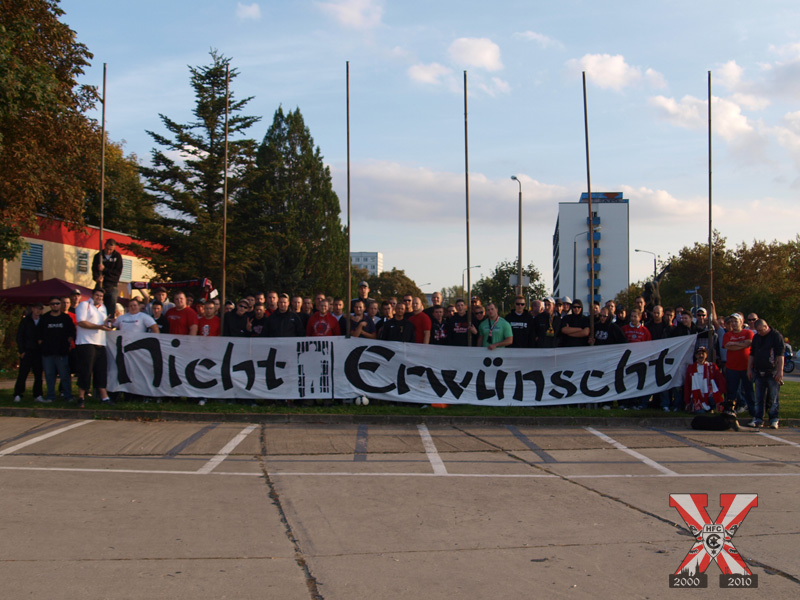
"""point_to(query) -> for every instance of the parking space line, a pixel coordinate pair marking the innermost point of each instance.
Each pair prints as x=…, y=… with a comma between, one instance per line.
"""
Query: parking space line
x=694, y=444
x=173, y=452
x=530, y=444
x=33, y=431
x=430, y=450
x=226, y=450
x=649, y=462
x=361, y=443
x=778, y=439
x=13, y=449
x=132, y=471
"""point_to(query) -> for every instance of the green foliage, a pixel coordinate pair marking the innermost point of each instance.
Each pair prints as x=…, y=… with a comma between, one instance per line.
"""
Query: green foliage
x=186, y=180
x=389, y=283
x=289, y=217
x=763, y=278
x=496, y=288
x=47, y=144
x=10, y=316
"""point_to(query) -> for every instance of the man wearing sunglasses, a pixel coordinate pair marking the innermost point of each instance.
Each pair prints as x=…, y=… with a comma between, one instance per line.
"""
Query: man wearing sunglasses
x=521, y=323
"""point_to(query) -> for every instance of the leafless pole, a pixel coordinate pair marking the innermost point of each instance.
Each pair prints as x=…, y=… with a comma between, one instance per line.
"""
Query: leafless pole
x=591, y=220
x=466, y=184
x=711, y=326
x=225, y=199
x=349, y=265
x=103, y=162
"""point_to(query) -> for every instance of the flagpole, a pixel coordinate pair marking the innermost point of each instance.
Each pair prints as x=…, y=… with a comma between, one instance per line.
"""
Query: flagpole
x=711, y=325
x=349, y=265
x=225, y=201
x=466, y=187
x=103, y=162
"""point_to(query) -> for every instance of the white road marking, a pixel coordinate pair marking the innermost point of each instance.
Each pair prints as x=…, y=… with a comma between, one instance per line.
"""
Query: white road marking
x=776, y=438
x=649, y=462
x=44, y=436
x=431, y=451
x=134, y=471
x=226, y=450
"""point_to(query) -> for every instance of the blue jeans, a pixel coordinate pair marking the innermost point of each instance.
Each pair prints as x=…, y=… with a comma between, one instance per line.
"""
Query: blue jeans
x=734, y=379
x=59, y=364
x=766, y=389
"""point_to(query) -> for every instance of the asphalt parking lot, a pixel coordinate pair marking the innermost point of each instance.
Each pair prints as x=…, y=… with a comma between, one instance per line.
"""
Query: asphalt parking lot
x=116, y=509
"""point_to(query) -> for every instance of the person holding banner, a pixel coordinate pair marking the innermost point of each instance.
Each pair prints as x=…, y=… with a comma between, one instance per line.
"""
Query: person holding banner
x=90, y=347
x=495, y=332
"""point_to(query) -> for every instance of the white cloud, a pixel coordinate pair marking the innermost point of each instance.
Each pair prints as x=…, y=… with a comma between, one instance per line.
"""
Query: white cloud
x=606, y=71
x=543, y=40
x=476, y=52
x=729, y=75
x=358, y=14
x=495, y=86
x=692, y=113
x=433, y=73
x=750, y=101
x=655, y=79
x=248, y=12
x=660, y=205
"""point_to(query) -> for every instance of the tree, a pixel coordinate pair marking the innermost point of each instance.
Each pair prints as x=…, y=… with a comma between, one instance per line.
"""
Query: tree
x=47, y=155
x=393, y=283
x=290, y=215
x=496, y=288
x=186, y=180
x=127, y=207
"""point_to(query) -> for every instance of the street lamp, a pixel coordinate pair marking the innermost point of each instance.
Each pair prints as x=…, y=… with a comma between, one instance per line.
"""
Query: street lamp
x=575, y=258
x=654, y=261
x=519, y=249
x=462, y=280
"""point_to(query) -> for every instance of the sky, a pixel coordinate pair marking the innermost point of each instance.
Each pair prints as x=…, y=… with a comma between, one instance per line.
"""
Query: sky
x=646, y=66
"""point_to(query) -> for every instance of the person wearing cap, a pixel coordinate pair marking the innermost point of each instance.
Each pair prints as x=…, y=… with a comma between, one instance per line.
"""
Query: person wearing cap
x=74, y=299
x=363, y=295
x=706, y=336
x=56, y=334
x=703, y=386
x=30, y=359
x=737, y=342
x=566, y=305
x=547, y=325
x=106, y=271
x=160, y=294
x=574, y=330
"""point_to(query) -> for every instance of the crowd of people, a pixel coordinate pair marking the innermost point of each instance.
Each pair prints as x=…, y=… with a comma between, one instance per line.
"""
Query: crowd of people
x=737, y=360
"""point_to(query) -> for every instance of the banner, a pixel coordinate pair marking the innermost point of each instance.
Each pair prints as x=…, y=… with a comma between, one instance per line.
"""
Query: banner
x=336, y=367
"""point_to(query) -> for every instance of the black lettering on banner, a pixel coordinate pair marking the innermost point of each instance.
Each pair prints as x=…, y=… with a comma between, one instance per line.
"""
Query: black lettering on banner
x=152, y=346
x=402, y=386
x=174, y=379
x=191, y=376
x=537, y=377
x=482, y=392
x=438, y=387
x=661, y=376
x=557, y=380
x=353, y=366
x=227, y=381
x=619, y=373
x=456, y=388
x=586, y=390
x=250, y=371
x=270, y=365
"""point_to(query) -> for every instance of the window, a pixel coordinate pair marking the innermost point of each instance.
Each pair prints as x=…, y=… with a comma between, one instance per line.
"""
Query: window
x=31, y=264
x=127, y=271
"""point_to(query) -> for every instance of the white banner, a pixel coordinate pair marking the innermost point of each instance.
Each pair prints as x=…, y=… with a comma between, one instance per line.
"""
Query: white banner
x=335, y=367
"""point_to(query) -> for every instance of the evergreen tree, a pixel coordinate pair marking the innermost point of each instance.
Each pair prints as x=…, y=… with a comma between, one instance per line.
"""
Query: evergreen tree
x=289, y=219
x=186, y=180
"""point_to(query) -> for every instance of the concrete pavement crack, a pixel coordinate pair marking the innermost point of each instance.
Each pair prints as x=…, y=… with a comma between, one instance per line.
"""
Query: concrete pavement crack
x=300, y=559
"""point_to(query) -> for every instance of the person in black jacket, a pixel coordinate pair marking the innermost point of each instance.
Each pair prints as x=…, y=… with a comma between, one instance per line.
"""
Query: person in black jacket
x=106, y=271
x=237, y=323
x=398, y=328
x=29, y=357
x=284, y=322
x=56, y=333
x=521, y=323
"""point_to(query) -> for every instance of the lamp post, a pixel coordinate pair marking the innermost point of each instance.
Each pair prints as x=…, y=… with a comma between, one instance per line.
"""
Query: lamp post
x=519, y=248
x=462, y=281
x=575, y=258
x=654, y=261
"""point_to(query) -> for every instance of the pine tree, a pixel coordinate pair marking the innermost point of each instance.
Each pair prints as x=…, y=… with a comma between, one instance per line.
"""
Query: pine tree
x=186, y=179
x=289, y=219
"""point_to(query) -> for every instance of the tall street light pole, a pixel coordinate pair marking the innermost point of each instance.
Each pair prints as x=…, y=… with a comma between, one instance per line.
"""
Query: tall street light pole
x=467, y=292
x=519, y=248
x=654, y=261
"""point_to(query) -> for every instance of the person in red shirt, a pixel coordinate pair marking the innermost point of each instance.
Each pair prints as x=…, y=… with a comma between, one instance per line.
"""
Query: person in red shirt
x=322, y=323
x=635, y=331
x=182, y=319
x=421, y=321
x=208, y=325
x=737, y=342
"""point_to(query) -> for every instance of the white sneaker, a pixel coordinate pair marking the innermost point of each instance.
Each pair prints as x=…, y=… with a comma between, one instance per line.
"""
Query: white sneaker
x=42, y=400
x=754, y=423
x=17, y=399
x=201, y=403
x=773, y=424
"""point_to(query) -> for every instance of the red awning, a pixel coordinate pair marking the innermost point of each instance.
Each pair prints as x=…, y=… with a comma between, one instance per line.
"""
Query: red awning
x=42, y=291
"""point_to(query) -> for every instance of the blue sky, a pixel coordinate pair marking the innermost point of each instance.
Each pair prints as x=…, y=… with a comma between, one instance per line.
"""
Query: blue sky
x=646, y=65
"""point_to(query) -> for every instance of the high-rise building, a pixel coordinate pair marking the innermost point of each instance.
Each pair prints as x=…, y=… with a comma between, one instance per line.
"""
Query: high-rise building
x=371, y=261
x=573, y=252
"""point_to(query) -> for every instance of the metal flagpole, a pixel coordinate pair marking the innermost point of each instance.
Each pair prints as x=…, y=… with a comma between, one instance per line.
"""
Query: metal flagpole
x=711, y=326
x=225, y=201
x=349, y=265
x=103, y=163
x=591, y=219
x=466, y=184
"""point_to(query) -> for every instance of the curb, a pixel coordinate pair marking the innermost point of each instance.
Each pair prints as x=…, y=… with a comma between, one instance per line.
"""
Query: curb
x=334, y=419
